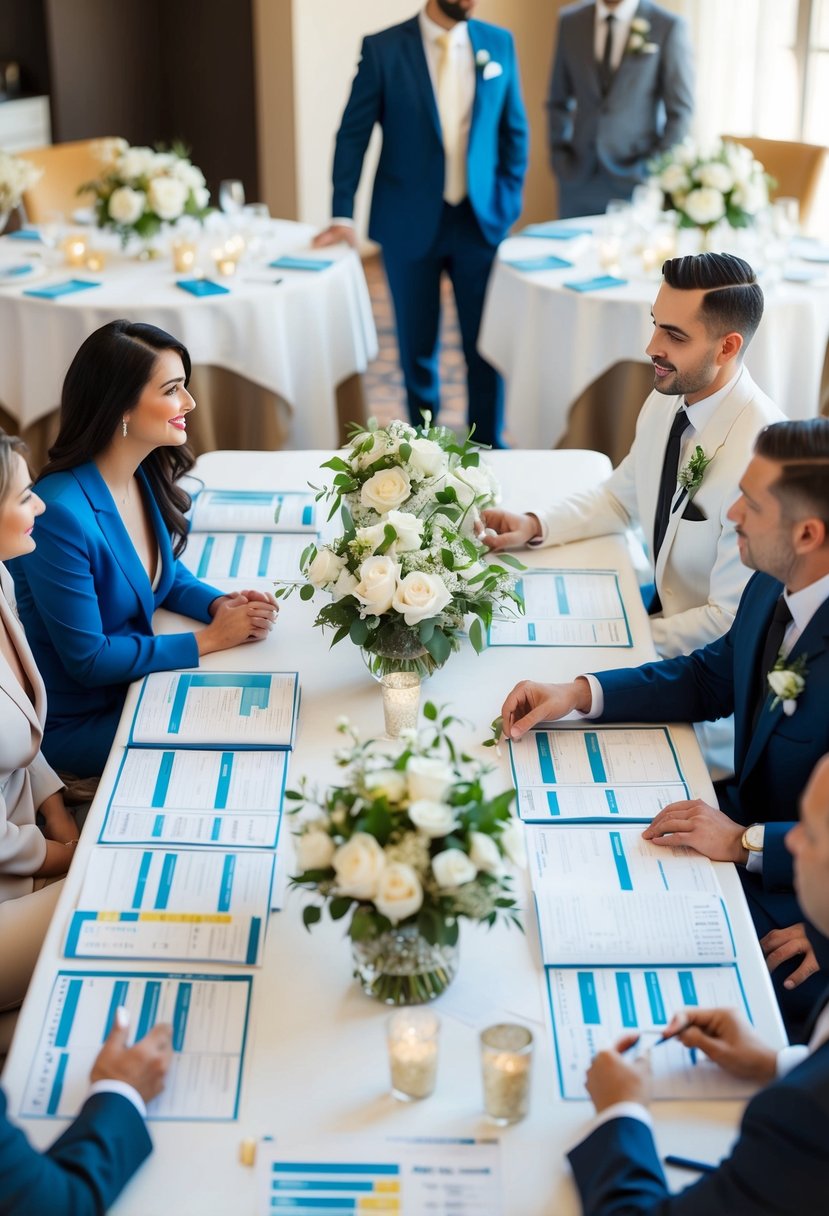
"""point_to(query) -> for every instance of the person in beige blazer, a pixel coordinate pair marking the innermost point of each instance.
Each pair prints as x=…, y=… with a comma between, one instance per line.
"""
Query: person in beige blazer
x=31, y=858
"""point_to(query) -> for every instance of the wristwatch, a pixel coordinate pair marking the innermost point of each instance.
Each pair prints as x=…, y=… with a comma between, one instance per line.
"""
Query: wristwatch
x=753, y=837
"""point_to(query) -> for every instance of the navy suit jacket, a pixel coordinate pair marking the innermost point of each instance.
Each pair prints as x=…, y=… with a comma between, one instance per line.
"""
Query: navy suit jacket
x=86, y=604
x=778, y=1167
x=772, y=764
x=83, y=1171
x=393, y=87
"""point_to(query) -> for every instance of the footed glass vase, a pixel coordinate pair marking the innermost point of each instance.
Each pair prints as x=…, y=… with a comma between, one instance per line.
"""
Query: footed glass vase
x=399, y=967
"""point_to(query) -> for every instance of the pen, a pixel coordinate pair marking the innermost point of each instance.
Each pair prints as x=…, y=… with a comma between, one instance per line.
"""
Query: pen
x=688, y=1163
x=664, y=1038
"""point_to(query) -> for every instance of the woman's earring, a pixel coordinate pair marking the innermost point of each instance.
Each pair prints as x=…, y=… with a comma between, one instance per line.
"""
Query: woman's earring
x=124, y=427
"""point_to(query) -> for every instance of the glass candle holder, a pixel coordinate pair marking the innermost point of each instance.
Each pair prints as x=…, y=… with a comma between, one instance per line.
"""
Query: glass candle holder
x=225, y=265
x=95, y=260
x=75, y=248
x=401, y=701
x=412, y=1037
x=506, y=1060
x=184, y=255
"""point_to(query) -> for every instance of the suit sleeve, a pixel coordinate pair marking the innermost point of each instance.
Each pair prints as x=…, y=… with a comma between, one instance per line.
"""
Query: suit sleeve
x=22, y=846
x=611, y=507
x=677, y=85
x=513, y=134
x=362, y=111
x=83, y=1172
x=189, y=595
x=778, y=865
x=561, y=104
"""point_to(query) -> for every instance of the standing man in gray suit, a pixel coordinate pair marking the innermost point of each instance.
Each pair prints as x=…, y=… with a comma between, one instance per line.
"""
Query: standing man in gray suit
x=622, y=91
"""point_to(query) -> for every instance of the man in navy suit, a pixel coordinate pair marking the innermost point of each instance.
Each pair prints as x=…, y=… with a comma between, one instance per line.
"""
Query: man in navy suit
x=779, y=1166
x=88, y=1166
x=445, y=91
x=782, y=623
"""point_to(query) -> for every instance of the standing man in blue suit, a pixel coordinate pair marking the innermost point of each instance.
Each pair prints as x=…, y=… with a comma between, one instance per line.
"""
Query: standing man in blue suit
x=445, y=91
x=781, y=626
x=621, y=92
x=779, y=1166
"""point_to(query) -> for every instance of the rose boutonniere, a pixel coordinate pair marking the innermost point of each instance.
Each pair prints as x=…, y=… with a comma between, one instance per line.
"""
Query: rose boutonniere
x=787, y=681
x=638, y=43
x=690, y=478
x=486, y=65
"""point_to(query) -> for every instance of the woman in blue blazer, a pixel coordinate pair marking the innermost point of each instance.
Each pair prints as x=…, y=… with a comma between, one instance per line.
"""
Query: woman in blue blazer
x=108, y=545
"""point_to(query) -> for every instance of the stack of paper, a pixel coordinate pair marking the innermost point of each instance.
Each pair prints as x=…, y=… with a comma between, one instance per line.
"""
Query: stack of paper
x=249, y=536
x=566, y=608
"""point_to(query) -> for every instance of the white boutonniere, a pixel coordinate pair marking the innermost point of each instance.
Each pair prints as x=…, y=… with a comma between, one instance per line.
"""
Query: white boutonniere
x=486, y=65
x=638, y=43
x=787, y=681
x=690, y=477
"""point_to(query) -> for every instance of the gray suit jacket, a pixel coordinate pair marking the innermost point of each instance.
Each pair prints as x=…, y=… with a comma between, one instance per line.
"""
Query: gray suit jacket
x=648, y=106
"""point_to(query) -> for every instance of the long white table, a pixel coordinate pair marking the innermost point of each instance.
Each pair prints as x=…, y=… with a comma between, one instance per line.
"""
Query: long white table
x=316, y=1059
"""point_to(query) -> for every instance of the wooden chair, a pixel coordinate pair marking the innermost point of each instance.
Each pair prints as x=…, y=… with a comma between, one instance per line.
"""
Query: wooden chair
x=797, y=168
x=65, y=167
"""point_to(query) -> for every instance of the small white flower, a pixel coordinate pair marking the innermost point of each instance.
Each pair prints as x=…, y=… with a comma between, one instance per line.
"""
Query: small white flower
x=641, y=25
x=344, y=585
x=786, y=685
x=385, y=490
x=399, y=893
x=452, y=868
x=409, y=531
x=484, y=853
x=434, y=819
x=126, y=205
x=358, y=864
x=635, y=43
x=428, y=777
x=514, y=840
x=482, y=57
x=314, y=849
x=428, y=458
x=386, y=782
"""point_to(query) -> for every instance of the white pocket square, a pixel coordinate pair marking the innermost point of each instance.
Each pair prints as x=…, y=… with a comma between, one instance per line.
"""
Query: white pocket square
x=491, y=70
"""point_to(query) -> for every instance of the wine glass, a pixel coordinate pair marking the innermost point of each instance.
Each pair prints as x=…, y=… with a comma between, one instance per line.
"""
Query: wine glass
x=231, y=196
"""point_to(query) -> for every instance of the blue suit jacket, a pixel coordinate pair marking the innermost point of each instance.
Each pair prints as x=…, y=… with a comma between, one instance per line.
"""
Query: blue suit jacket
x=772, y=764
x=778, y=1167
x=83, y=1171
x=393, y=87
x=87, y=604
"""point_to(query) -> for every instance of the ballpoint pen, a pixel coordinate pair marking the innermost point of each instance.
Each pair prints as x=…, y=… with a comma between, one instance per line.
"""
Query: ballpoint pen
x=663, y=1038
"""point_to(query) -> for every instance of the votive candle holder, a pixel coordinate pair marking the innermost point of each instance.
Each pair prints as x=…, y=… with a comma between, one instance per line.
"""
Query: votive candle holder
x=401, y=701
x=412, y=1037
x=506, y=1062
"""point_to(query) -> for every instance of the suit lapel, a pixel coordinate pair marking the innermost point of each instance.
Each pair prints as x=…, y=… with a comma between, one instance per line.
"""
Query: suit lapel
x=9, y=682
x=115, y=534
x=415, y=56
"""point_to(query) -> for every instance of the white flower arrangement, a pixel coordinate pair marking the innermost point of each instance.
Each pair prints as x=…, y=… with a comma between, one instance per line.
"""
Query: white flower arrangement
x=707, y=183
x=16, y=176
x=140, y=189
x=787, y=681
x=408, y=568
x=638, y=43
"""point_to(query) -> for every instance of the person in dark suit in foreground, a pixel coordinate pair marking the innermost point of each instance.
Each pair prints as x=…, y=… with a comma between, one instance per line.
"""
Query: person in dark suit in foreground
x=88, y=1166
x=779, y=1165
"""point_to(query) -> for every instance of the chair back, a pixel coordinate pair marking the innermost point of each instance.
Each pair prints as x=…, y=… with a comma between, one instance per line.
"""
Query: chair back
x=65, y=168
x=796, y=168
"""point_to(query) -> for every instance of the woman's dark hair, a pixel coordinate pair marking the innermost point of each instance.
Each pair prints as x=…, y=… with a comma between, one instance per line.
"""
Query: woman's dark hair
x=733, y=300
x=9, y=446
x=104, y=382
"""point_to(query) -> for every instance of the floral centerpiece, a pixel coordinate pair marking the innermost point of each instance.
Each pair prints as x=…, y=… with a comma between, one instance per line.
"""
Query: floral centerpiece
x=140, y=189
x=706, y=184
x=408, y=844
x=408, y=568
x=16, y=176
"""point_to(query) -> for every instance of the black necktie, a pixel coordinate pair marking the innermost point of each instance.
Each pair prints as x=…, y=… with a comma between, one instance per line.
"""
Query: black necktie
x=771, y=649
x=667, y=490
x=606, y=65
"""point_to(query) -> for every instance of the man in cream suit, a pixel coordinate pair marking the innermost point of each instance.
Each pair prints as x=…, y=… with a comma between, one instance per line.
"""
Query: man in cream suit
x=621, y=92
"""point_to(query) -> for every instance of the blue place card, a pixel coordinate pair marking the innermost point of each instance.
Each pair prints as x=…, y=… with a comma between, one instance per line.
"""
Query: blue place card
x=554, y=231
x=24, y=234
x=16, y=271
x=551, y=262
x=288, y=262
x=202, y=287
x=55, y=290
x=598, y=284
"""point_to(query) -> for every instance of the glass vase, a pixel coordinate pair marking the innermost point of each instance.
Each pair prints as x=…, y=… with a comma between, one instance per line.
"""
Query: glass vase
x=396, y=647
x=399, y=967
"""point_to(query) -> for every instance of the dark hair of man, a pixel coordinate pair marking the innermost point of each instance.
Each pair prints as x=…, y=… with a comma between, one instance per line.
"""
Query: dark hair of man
x=733, y=300
x=802, y=451
x=104, y=382
x=9, y=445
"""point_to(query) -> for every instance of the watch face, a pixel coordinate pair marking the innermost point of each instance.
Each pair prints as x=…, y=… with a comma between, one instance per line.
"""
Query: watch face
x=754, y=836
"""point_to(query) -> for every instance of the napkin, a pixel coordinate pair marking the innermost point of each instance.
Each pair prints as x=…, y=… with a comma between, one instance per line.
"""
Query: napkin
x=202, y=287
x=67, y=288
x=288, y=262
x=554, y=231
x=24, y=234
x=598, y=284
x=550, y=262
x=16, y=271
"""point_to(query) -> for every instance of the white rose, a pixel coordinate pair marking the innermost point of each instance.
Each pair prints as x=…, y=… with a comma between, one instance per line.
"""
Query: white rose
x=704, y=206
x=373, y=537
x=167, y=197
x=388, y=782
x=314, y=850
x=409, y=530
x=786, y=684
x=135, y=162
x=452, y=868
x=378, y=583
x=399, y=893
x=673, y=178
x=420, y=596
x=640, y=24
x=125, y=205
x=201, y=196
x=752, y=196
x=434, y=819
x=109, y=150
x=325, y=568
x=475, y=482
x=344, y=585
x=513, y=838
x=484, y=853
x=428, y=777
x=636, y=42
x=385, y=490
x=358, y=864
x=428, y=458
x=715, y=174
x=187, y=173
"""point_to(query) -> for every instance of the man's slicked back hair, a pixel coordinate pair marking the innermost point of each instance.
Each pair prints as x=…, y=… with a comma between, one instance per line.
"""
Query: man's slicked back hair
x=802, y=450
x=733, y=300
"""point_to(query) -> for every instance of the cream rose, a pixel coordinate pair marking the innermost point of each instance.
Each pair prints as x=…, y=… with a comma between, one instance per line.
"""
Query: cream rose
x=428, y=777
x=716, y=175
x=484, y=853
x=314, y=850
x=167, y=197
x=434, y=819
x=125, y=205
x=388, y=782
x=428, y=458
x=673, y=178
x=358, y=864
x=325, y=568
x=385, y=490
x=378, y=584
x=135, y=162
x=514, y=841
x=705, y=205
x=420, y=596
x=399, y=893
x=452, y=868
x=409, y=531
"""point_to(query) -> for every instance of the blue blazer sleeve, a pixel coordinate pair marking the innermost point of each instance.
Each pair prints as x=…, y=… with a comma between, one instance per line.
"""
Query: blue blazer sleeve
x=189, y=596
x=513, y=135
x=84, y=1170
x=362, y=111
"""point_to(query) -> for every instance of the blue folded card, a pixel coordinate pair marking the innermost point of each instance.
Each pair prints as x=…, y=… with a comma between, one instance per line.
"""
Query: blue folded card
x=202, y=287
x=598, y=284
x=554, y=231
x=291, y=263
x=551, y=262
x=54, y=290
x=18, y=271
x=24, y=234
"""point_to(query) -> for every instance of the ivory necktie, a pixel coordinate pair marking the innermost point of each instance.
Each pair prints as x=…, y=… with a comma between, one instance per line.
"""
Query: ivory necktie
x=449, y=109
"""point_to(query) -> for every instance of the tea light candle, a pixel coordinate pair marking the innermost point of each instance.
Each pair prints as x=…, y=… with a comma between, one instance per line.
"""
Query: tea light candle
x=412, y=1036
x=506, y=1059
x=401, y=701
x=95, y=260
x=650, y=259
x=184, y=255
x=75, y=249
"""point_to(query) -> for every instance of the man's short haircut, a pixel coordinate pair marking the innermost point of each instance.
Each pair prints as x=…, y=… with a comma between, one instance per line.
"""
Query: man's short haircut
x=734, y=299
x=802, y=451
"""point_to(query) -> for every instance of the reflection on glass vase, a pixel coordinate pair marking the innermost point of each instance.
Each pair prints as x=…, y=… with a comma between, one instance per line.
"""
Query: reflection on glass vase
x=399, y=967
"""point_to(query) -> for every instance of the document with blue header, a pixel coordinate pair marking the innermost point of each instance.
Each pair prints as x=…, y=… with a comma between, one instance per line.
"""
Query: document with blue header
x=254, y=511
x=183, y=905
x=612, y=774
x=244, y=558
x=209, y=1016
x=222, y=799
x=230, y=710
x=566, y=608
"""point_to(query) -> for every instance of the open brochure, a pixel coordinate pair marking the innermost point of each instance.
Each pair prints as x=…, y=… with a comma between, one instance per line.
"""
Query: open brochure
x=216, y=709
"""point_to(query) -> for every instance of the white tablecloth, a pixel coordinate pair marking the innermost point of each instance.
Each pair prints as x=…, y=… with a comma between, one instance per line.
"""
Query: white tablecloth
x=551, y=343
x=299, y=339
x=316, y=1059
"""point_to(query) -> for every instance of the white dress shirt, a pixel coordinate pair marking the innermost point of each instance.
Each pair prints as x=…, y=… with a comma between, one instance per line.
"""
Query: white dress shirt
x=122, y=1088
x=623, y=15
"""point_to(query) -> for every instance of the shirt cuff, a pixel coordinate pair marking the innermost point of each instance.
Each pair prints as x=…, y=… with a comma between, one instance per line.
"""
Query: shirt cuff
x=344, y=221
x=541, y=539
x=620, y=1110
x=597, y=699
x=789, y=1058
x=122, y=1088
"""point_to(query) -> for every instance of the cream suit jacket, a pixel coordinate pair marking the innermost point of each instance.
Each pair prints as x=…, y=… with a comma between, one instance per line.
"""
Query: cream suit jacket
x=26, y=780
x=699, y=575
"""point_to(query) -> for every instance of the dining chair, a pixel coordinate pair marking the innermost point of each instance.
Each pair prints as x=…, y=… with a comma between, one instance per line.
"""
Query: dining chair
x=65, y=168
x=796, y=168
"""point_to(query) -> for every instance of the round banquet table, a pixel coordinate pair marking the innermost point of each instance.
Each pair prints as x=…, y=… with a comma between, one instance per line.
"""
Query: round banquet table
x=551, y=343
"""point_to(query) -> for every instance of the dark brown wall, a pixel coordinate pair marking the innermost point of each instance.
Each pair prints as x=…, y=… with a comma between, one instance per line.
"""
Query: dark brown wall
x=23, y=38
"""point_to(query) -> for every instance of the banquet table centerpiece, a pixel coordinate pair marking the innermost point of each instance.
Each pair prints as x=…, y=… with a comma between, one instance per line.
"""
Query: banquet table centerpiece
x=16, y=176
x=408, y=844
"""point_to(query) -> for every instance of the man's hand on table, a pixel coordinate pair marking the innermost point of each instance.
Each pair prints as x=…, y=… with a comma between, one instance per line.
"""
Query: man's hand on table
x=335, y=234
x=506, y=529
x=530, y=703
x=701, y=827
x=611, y=1079
x=143, y=1066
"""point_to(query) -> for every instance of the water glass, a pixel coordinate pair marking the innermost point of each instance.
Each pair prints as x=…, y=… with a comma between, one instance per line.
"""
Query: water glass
x=231, y=196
